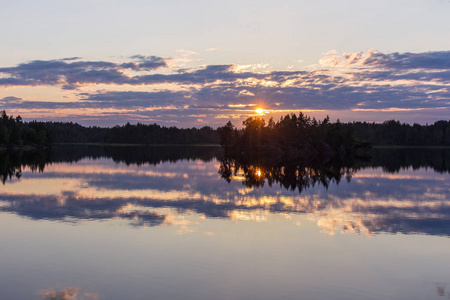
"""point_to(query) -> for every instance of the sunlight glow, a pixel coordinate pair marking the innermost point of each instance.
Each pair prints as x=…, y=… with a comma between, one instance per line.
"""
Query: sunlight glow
x=259, y=111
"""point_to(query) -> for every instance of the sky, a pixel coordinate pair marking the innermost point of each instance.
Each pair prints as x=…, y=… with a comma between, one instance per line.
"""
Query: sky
x=197, y=63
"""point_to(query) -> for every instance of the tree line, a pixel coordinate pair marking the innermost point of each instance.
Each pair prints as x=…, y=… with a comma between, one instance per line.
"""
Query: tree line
x=291, y=130
x=304, y=136
x=139, y=133
x=395, y=133
x=14, y=133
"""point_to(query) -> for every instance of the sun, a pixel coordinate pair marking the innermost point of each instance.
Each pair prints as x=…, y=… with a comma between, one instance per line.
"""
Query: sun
x=259, y=111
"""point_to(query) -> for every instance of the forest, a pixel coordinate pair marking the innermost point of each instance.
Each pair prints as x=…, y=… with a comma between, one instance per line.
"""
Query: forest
x=302, y=134
x=296, y=138
x=14, y=133
x=139, y=134
x=290, y=130
x=297, y=152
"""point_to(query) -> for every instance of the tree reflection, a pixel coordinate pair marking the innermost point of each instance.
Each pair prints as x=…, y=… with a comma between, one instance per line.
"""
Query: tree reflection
x=12, y=163
x=290, y=175
x=300, y=175
x=135, y=155
x=147, y=196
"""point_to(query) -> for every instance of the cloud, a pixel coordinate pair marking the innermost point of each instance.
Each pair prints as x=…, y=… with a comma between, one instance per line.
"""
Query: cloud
x=134, y=99
x=69, y=73
x=437, y=60
x=145, y=87
x=10, y=100
x=426, y=60
x=146, y=63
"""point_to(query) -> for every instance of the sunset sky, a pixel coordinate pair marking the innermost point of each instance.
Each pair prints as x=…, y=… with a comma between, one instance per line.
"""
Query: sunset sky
x=197, y=63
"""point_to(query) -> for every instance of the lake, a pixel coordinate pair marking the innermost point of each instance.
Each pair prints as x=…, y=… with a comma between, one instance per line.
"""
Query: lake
x=91, y=222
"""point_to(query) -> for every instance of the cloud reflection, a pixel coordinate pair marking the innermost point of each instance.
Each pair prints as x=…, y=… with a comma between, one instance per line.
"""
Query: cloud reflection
x=68, y=293
x=410, y=199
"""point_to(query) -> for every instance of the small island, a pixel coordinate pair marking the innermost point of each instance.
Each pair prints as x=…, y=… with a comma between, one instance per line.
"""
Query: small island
x=293, y=138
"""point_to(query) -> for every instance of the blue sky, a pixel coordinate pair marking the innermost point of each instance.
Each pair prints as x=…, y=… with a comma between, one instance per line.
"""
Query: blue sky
x=196, y=63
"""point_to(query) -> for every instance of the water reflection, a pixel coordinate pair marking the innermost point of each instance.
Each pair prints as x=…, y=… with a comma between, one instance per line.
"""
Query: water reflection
x=134, y=155
x=290, y=176
x=398, y=191
x=68, y=293
x=12, y=163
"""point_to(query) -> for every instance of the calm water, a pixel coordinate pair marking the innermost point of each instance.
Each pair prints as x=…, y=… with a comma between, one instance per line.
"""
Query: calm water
x=182, y=223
